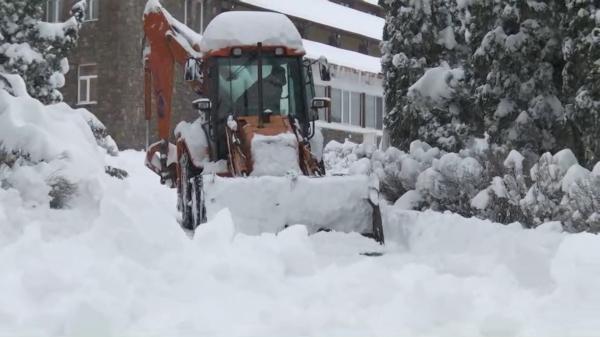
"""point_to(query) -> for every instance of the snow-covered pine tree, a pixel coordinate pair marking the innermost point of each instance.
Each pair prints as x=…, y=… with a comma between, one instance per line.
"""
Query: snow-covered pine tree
x=34, y=49
x=419, y=35
x=581, y=77
x=516, y=68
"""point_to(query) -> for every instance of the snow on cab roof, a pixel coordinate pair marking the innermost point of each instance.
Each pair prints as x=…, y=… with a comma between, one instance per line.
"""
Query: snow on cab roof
x=247, y=28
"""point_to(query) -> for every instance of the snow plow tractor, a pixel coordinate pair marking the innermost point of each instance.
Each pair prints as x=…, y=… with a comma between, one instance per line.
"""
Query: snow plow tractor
x=254, y=148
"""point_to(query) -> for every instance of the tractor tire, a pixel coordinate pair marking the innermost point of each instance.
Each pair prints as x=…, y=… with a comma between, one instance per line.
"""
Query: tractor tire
x=197, y=194
x=185, y=200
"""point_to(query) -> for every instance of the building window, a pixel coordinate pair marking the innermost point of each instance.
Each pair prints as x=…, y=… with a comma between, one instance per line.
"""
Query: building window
x=335, y=39
x=92, y=10
x=193, y=15
x=363, y=48
x=53, y=10
x=345, y=107
x=379, y=111
x=336, y=105
x=87, y=84
x=355, y=109
x=370, y=111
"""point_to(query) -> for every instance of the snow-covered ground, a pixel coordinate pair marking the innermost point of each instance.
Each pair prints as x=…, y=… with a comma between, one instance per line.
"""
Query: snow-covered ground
x=125, y=268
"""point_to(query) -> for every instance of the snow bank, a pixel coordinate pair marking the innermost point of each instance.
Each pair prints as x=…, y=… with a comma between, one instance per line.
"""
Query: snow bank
x=128, y=269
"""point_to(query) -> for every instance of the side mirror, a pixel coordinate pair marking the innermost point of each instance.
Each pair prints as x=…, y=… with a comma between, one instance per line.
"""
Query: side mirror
x=202, y=104
x=193, y=70
x=324, y=69
x=320, y=103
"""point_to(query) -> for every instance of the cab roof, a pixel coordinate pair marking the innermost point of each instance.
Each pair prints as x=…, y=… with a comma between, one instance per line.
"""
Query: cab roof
x=247, y=28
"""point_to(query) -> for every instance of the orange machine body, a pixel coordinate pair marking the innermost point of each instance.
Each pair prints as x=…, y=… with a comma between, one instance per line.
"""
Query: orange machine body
x=166, y=49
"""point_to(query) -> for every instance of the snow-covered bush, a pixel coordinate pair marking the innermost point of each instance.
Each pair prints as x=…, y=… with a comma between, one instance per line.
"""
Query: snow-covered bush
x=397, y=170
x=482, y=181
x=37, y=50
x=500, y=201
x=541, y=204
x=48, y=153
x=450, y=183
x=581, y=201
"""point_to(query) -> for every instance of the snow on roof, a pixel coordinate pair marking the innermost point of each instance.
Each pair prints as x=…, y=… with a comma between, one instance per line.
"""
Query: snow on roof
x=343, y=57
x=347, y=128
x=372, y=2
x=327, y=13
x=246, y=28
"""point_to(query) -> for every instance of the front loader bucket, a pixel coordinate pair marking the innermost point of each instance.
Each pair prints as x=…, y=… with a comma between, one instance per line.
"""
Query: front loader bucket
x=269, y=204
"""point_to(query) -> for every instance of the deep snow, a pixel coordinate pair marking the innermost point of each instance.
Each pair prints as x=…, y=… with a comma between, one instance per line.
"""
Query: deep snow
x=126, y=269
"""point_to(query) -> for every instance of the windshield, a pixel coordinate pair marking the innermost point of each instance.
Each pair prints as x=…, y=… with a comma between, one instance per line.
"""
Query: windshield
x=238, y=85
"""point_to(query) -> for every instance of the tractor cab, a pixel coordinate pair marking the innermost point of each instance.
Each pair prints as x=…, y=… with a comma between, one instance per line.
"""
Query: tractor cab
x=264, y=86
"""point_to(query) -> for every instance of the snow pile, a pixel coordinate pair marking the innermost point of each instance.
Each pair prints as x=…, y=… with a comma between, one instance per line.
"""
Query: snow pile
x=275, y=155
x=49, y=153
x=125, y=272
x=247, y=28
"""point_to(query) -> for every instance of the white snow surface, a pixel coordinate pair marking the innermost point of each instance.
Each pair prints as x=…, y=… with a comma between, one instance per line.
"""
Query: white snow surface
x=121, y=266
x=247, y=28
x=125, y=268
x=327, y=13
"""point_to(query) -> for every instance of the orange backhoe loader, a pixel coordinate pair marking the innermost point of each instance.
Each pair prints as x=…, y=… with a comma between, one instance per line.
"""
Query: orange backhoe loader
x=254, y=148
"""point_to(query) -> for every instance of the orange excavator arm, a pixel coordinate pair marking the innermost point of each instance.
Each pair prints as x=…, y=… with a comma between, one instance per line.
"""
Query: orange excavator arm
x=165, y=46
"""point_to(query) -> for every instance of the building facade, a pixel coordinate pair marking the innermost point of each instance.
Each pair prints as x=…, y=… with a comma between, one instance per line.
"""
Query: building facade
x=106, y=70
